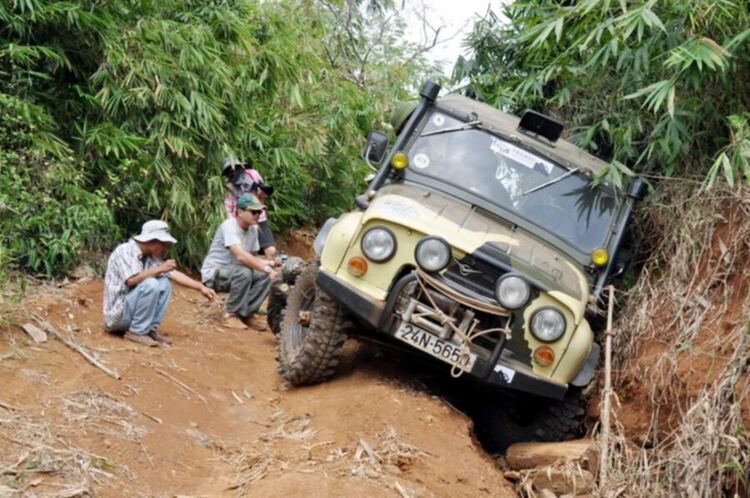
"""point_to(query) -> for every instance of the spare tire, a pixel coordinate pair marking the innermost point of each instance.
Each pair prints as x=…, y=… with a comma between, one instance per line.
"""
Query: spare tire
x=312, y=332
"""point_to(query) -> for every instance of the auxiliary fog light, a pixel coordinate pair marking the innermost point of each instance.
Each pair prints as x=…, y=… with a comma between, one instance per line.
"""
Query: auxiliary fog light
x=399, y=161
x=512, y=291
x=599, y=257
x=357, y=266
x=544, y=356
x=432, y=254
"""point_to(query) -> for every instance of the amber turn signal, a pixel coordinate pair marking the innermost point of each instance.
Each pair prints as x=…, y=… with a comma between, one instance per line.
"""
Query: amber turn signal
x=544, y=356
x=357, y=266
x=400, y=160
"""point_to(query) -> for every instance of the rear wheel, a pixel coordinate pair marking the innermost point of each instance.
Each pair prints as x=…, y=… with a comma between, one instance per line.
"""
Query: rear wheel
x=312, y=332
x=502, y=423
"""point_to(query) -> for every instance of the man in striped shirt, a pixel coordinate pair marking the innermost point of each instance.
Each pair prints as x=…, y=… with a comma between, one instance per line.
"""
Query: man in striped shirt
x=137, y=285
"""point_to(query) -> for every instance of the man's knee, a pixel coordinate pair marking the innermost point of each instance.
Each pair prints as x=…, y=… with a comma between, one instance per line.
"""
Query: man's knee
x=165, y=285
x=150, y=285
x=243, y=273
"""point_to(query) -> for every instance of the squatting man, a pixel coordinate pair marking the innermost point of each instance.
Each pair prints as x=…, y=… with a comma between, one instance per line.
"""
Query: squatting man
x=137, y=285
x=233, y=265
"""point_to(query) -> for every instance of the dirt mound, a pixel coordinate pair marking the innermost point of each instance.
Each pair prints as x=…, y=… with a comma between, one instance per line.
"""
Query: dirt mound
x=682, y=352
x=210, y=416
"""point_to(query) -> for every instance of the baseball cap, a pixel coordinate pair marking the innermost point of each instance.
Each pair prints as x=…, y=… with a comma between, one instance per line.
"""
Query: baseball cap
x=249, y=202
x=155, y=230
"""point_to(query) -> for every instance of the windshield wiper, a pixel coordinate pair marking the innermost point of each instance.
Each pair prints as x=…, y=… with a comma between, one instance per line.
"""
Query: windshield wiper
x=464, y=126
x=551, y=182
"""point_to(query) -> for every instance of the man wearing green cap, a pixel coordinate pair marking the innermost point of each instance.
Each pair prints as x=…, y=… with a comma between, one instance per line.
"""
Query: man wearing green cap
x=232, y=265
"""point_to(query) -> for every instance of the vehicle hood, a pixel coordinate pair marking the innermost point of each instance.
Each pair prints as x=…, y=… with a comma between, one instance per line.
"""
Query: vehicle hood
x=478, y=234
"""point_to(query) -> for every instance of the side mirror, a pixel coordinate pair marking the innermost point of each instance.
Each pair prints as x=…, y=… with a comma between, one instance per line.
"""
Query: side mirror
x=637, y=189
x=375, y=147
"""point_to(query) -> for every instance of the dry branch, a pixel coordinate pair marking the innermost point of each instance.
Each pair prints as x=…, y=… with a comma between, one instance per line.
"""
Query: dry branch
x=607, y=391
x=76, y=347
x=152, y=417
x=181, y=384
x=7, y=406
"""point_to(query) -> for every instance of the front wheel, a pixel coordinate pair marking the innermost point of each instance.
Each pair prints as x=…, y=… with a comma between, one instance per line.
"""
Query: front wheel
x=280, y=289
x=498, y=424
x=312, y=332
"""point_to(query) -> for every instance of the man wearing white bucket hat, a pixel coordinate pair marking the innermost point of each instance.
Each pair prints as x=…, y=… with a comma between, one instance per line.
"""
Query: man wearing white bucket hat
x=137, y=285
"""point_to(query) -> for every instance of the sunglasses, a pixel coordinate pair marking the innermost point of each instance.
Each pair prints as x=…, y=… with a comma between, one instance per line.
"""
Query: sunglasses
x=254, y=212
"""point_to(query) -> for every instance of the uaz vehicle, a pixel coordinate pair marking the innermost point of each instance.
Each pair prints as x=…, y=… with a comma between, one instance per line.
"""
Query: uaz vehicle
x=480, y=242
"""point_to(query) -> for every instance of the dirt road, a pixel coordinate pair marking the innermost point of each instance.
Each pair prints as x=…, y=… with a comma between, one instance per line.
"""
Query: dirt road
x=210, y=416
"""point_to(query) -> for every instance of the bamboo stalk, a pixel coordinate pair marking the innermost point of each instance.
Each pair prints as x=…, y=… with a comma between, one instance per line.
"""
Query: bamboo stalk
x=603, y=454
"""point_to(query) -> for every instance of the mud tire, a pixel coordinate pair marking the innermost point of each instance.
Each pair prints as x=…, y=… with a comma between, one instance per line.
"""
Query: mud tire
x=308, y=355
x=276, y=305
x=504, y=423
x=280, y=290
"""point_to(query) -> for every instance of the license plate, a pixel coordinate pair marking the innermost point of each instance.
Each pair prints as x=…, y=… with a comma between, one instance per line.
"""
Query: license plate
x=432, y=344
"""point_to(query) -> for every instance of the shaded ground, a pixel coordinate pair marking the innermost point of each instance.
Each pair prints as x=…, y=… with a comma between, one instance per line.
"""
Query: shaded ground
x=210, y=416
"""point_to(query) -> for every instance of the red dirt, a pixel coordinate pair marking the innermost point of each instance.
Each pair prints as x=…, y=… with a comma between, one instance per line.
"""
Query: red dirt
x=697, y=364
x=230, y=425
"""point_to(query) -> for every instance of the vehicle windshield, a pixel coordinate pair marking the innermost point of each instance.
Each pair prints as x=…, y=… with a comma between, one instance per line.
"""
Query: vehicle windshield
x=556, y=199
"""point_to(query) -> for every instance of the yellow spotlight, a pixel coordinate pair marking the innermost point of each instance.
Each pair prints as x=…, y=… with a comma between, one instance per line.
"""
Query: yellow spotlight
x=599, y=257
x=400, y=161
x=544, y=355
x=357, y=266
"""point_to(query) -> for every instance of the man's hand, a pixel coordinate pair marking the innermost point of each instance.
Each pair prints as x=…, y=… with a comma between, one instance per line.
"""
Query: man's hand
x=208, y=293
x=272, y=275
x=277, y=262
x=167, y=266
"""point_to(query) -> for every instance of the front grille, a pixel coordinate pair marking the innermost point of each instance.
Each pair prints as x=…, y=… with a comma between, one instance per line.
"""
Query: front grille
x=473, y=274
x=424, y=304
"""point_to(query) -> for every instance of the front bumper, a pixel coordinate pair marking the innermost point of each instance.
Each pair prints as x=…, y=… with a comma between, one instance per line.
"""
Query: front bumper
x=379, y=317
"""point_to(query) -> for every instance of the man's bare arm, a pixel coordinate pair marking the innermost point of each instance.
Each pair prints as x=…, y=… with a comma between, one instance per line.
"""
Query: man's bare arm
x=253, y=262
x=181, y=279
x=155, y=271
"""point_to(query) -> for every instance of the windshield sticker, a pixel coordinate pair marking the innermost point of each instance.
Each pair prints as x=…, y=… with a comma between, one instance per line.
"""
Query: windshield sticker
x=421, y=161
x=438, y=120
x=521, y=156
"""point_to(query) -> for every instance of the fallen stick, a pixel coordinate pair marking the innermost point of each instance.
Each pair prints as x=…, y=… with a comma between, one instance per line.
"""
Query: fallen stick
x=181, y=384
x=152, y=417
x=239, y=400
x=374, y=458
x=8, y=407
x=76, y=347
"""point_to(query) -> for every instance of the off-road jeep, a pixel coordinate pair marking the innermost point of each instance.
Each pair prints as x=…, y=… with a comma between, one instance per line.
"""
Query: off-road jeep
x=480, y=243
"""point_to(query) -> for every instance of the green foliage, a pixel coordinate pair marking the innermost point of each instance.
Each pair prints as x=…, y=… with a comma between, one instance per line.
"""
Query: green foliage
x=660, y=86
x=48, y=219
x=117, y=112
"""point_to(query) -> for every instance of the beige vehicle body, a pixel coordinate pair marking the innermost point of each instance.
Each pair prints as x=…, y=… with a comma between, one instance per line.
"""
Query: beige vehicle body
x=453, y=314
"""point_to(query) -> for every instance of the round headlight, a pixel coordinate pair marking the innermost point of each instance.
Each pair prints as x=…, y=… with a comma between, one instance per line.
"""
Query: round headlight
x=512, y=291
x=548, y=325
x=379, y=244
x=432, y=254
